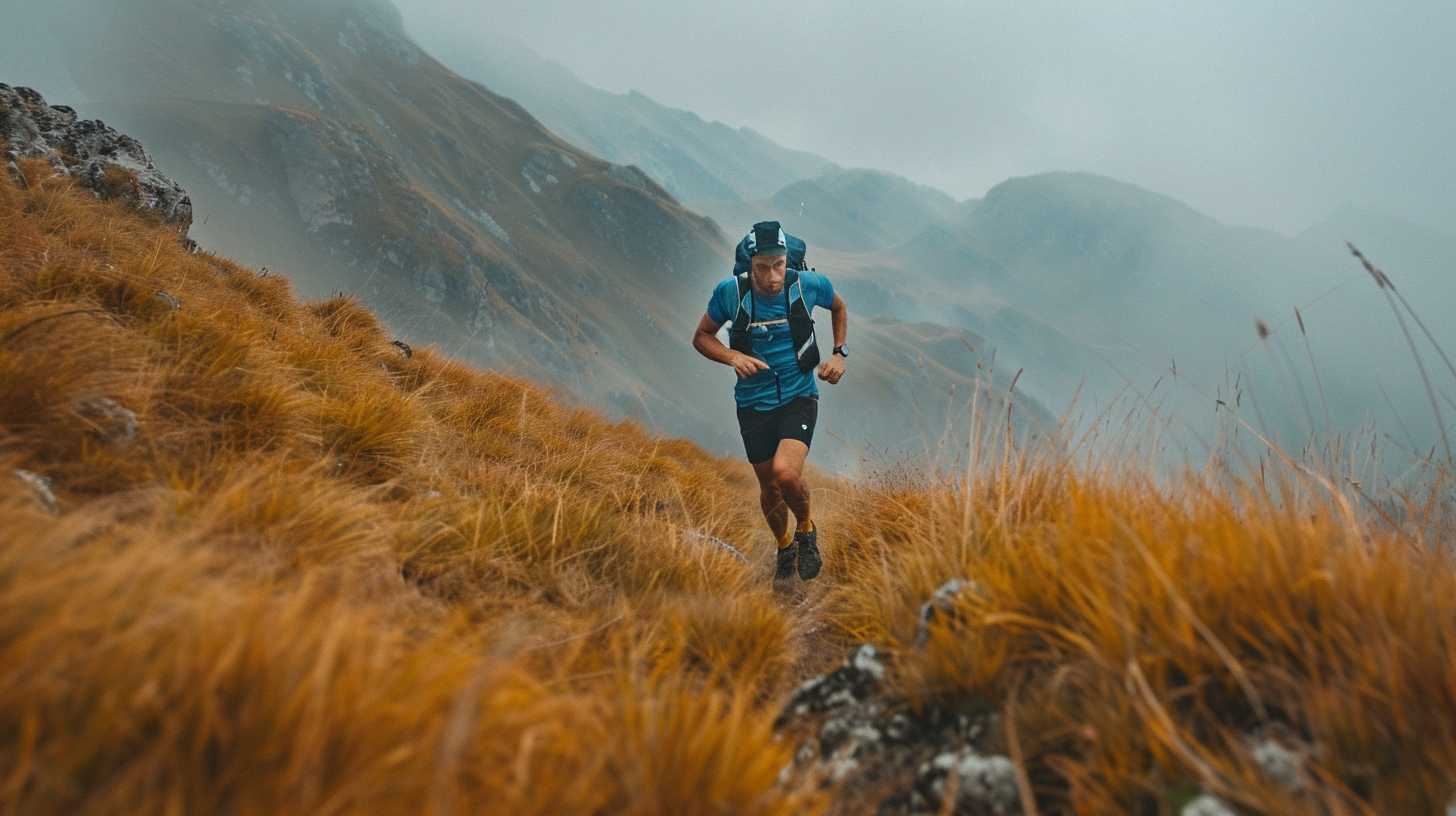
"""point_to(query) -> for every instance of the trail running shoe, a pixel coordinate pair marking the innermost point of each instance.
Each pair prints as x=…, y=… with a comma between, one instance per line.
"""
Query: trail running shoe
x=785, y=569
x=809, y=561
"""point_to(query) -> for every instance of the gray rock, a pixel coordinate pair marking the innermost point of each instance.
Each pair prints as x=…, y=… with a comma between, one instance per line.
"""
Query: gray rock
x=1206, y=805
x=1282, y=764
x=860, y=736
x=714, y=541
x=16, y=175
x=984, y=784
x=113, y=421
x=41, y=487
x=169, y=300
x=867, y=662
x=940, y=606
x=856, y=680
x=89, y=151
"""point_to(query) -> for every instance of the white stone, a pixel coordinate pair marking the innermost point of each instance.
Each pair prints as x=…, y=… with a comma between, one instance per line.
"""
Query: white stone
x=1206, y=805
x=41, y=486
x=989, y=780
x=865, y=660
x=1282, y=765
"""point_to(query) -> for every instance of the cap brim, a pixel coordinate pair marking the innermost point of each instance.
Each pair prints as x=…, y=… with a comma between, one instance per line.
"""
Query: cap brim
x=774, y=250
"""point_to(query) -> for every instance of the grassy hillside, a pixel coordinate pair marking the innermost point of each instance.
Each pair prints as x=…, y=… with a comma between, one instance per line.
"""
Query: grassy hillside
x=320, y=141
x=257, y=559
x=292, y=569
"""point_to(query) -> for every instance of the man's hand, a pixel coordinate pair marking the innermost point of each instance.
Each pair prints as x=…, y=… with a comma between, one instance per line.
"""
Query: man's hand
x=746, y=365
x=831, y=371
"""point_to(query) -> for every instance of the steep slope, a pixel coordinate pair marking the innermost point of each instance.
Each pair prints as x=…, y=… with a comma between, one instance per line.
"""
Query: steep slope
x=325, y=144
x=255, y=558
x=693, y=159
x=735, y=175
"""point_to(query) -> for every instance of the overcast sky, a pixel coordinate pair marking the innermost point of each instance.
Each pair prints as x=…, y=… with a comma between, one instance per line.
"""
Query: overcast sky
x=1255, y=112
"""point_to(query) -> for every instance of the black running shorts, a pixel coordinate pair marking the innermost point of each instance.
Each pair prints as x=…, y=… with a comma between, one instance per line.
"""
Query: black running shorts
x=762, y=430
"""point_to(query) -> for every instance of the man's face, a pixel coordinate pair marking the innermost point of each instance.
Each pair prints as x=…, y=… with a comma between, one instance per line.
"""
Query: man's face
x=768, y=273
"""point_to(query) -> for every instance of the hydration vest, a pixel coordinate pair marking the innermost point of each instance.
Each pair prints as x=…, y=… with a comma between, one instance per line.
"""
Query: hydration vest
x=801, y=325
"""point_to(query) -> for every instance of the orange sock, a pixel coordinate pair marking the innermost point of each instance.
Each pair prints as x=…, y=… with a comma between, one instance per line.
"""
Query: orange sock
x=786, y=539
x=806, y=526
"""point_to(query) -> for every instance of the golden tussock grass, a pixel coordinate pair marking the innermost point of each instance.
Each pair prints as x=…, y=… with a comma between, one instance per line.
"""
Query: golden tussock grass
x=311, y=574
x=296, y=571
x=1135, y=636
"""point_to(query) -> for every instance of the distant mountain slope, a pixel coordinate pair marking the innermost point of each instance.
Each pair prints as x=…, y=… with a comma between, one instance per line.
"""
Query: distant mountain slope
x=321, y=141
x=854, y=210
x=735, y=175
x=694, y=159
x=1083, y=278
x=1413, y=254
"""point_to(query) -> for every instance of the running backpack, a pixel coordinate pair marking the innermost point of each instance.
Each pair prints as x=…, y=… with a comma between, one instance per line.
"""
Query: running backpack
x=801, y=323
x=742, y=262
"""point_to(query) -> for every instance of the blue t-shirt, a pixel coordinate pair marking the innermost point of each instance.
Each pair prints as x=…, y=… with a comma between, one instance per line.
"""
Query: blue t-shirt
x=772, y=344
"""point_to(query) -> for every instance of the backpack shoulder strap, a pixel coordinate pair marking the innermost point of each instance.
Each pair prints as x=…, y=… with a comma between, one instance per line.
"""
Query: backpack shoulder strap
x=745, y=302
x=794, y=283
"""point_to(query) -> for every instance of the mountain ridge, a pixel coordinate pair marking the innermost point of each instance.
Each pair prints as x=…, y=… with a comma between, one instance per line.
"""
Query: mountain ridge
x=694, y=158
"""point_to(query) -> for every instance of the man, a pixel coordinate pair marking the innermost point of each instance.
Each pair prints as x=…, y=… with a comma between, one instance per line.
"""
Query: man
x=777, y=397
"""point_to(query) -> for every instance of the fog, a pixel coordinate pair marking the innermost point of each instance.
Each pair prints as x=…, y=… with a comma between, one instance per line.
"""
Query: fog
x=1256, y=113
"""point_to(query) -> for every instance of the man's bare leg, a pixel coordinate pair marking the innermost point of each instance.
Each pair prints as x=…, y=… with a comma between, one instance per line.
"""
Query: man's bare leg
x=771, y=501
x=788, y=471
x=787, y=468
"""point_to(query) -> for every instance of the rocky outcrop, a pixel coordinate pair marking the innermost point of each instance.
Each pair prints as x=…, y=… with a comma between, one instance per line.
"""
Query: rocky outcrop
x=854, y=735
x=108, y=163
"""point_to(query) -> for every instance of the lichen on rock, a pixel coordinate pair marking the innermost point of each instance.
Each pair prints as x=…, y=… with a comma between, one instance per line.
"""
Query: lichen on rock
x=108, y=163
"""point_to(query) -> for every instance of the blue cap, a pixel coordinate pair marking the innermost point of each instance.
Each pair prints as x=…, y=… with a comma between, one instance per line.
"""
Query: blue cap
x=767, y=238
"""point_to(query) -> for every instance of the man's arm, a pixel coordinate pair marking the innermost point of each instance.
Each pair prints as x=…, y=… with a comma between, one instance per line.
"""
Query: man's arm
x=705, y=340
x=839, y=316
x=832, y=370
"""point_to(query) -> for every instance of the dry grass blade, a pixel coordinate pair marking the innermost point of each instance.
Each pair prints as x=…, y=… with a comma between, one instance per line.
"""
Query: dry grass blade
x=1385, y=286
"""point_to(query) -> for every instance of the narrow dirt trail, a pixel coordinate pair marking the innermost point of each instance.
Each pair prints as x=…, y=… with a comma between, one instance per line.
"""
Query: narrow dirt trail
x=818, y=647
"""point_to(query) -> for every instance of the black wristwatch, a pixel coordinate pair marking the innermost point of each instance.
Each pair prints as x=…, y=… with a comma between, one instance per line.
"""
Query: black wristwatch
x=842, y=351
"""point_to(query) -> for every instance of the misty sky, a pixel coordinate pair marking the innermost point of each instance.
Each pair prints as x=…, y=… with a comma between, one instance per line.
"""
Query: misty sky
x=1255, y=112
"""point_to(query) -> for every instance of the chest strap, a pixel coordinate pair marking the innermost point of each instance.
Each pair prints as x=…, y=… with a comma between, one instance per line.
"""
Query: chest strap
x=801, y=323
